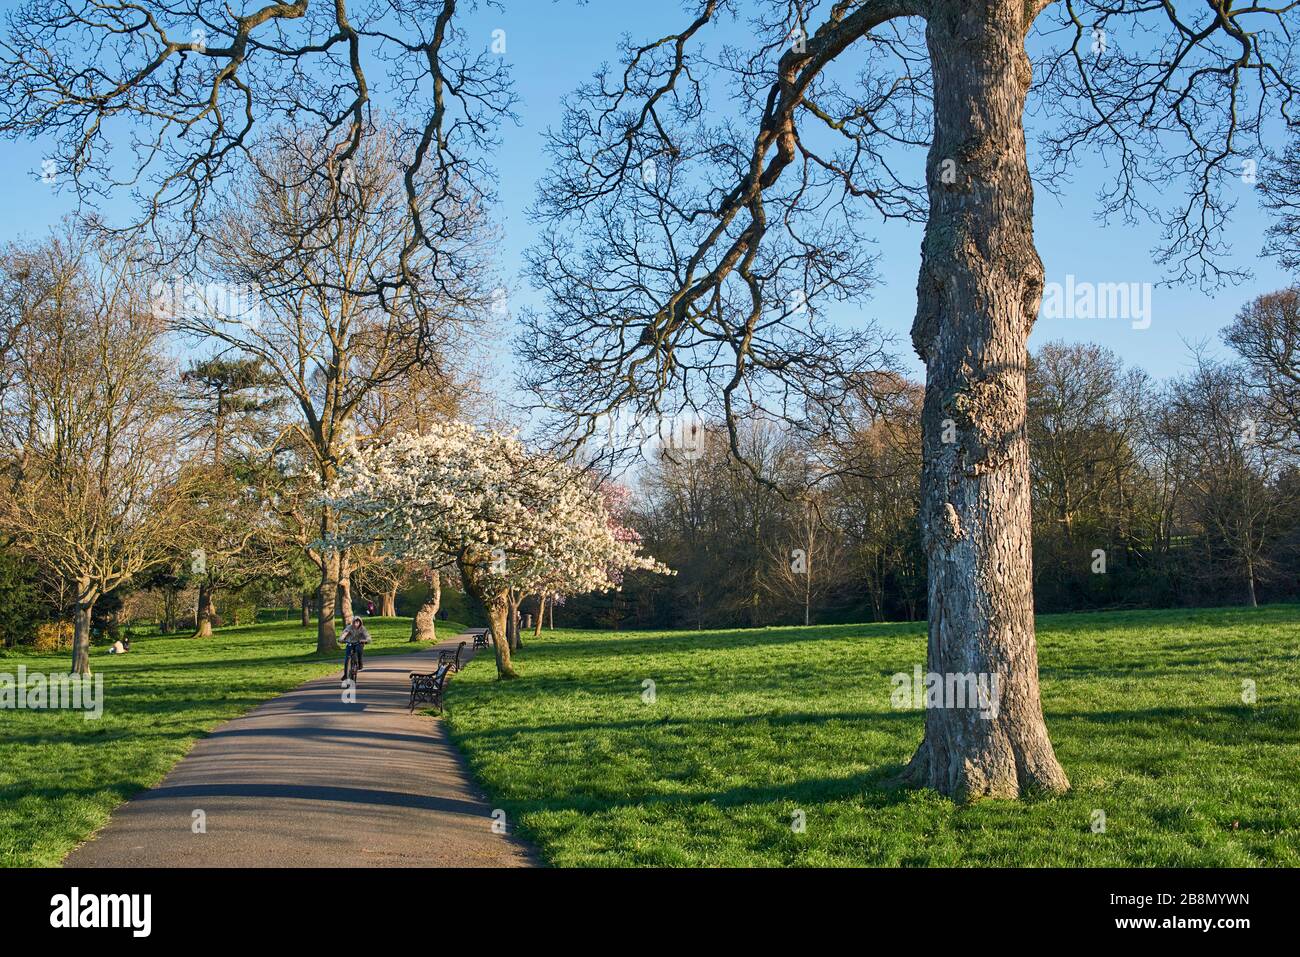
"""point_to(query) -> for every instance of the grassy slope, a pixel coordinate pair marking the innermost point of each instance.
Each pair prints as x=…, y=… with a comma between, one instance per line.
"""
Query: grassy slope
x=749, y=727
x=61, y=775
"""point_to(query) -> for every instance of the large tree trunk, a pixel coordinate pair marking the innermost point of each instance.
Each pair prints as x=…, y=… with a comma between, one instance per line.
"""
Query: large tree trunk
x=541, y=612
x=326, y=634
x=498, y=608
x=168, y=624
x=1250, y=585
x=498, y=612
x=388, y=603
x=512, y=624
x=206, y=609
x=978, y=294
x=344, y=609
x=424, y=626
x=306, y=610
x=86, y=598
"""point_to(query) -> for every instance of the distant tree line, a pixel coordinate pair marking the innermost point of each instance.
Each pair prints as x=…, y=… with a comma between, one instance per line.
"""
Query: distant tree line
x=164, y=440
x=1145, y=494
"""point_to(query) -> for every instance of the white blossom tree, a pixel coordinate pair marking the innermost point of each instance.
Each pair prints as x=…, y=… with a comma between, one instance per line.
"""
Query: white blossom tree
x=508, y=517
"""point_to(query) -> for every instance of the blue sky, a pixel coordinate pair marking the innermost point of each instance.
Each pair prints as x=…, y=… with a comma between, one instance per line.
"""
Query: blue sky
x=553, y=46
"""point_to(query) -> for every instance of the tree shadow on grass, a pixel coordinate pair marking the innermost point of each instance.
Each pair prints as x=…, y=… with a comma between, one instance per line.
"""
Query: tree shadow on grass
x=96, y=736
x=1227, y=725
x=657, y=742
x=121, y=790
x=631, y=642
x=1171, y=668
x=1098, y=622
x=775, y=718
x=876, y=788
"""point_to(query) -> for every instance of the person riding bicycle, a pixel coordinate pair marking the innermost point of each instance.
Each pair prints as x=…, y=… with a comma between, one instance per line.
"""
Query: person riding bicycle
x=355, y=638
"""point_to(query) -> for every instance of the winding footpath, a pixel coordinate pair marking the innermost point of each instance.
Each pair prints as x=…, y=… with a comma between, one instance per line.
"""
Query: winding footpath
x=309, y=780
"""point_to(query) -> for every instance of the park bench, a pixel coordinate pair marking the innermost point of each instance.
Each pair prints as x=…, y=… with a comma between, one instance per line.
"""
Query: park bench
x=447, y=655
x=429, y=686
x=481, y=640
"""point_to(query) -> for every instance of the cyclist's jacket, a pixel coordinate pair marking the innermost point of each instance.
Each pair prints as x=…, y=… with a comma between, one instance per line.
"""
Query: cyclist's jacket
x=356, y=636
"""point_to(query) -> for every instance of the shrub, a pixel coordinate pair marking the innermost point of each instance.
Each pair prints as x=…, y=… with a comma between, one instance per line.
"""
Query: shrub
x=51, y=636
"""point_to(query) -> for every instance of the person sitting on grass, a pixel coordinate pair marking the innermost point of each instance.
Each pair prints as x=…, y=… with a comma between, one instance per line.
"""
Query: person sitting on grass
x=355, y=637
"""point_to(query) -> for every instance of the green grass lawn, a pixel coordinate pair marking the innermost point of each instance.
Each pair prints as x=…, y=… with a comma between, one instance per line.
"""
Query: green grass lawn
x=750, y=727
x=61, y=775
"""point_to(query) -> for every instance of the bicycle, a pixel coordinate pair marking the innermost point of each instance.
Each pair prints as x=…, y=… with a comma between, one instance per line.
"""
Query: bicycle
x=351, y=664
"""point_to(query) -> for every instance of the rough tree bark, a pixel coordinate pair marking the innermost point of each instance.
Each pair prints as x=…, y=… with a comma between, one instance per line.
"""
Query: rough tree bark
x=498, y=609
x=498, y=612
x=979, y=290
x=424, y=626
x=512, y=623
x=388, y=603
x=168, y=624
x=203, y=615
x=344, y=609
x=86, y=598
x=326, y=634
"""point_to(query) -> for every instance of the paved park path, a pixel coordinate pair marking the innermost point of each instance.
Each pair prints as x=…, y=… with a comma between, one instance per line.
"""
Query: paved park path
x=307, y=780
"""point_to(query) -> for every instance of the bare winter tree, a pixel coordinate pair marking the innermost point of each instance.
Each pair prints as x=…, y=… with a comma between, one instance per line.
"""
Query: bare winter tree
x=1087, y=416
x=93, y=488
x=330, y=351
x=688, y=258
x=273, y=107
x=1085, y=413
x=377, y=577
x=1279, y=185
x=876, y=497
x=1234, y=479
x=810, y=560
x=198, y=88
x=238, y=538
x=20, y=296
x=1266, y=334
